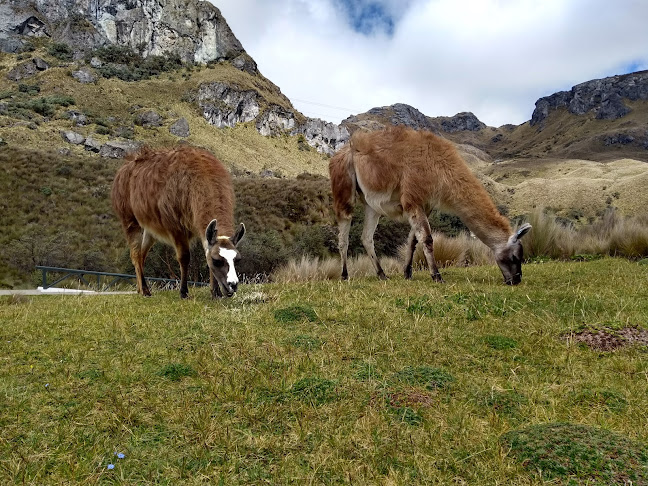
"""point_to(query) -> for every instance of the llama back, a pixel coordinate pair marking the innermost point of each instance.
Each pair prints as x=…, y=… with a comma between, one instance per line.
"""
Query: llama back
x=175, y=190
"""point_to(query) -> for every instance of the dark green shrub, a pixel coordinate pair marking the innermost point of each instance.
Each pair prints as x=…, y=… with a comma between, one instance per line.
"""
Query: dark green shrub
x=30, y=89
x=61, y=51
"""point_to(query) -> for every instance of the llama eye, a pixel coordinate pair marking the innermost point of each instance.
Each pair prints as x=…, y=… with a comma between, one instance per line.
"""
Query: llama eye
x=218, y=263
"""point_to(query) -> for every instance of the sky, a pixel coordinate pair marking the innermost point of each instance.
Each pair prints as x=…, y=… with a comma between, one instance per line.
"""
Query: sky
x=494, y=58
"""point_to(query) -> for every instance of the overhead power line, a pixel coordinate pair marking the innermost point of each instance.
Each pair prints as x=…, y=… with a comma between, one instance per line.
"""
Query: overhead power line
x=351, y=110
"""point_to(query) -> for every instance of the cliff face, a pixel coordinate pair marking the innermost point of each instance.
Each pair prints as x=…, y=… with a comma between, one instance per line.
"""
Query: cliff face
x=604, y=97
x=194, y=30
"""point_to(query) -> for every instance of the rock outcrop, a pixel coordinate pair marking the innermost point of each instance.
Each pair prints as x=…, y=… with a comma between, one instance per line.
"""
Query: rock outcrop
x=604, y=97
x=194, y=30
x=461, y=122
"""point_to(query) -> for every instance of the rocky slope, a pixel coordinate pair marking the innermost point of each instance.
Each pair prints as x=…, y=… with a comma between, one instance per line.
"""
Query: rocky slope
x=192, y=30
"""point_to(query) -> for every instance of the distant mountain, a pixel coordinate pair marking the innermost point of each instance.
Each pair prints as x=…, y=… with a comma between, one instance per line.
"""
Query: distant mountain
x=600, y=119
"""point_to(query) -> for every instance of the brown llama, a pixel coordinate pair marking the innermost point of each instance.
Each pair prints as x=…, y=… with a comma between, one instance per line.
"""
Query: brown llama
x=403, y=173
x=176, y=195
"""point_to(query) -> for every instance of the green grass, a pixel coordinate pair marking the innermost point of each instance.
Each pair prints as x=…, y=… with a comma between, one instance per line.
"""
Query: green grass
x=254, y=391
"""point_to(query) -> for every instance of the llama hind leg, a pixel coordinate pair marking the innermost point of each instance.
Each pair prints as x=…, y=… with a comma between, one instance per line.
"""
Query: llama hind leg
x=421, y=227
x=370, y=225
x=411, y=247
x=140, y=243
x=344, y=226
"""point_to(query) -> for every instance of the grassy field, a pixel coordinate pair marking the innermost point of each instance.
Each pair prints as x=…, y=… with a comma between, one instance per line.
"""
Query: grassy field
x=361, y=382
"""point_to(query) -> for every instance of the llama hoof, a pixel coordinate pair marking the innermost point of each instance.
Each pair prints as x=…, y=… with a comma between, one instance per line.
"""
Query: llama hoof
x=408, y=274
x=382, y=276
x=438, y=279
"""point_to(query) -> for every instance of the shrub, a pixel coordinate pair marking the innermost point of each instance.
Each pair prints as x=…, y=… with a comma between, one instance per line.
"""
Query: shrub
x=61, y=51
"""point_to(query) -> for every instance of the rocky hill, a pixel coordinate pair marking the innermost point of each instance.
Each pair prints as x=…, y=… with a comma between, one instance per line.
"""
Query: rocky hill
x=602, y=119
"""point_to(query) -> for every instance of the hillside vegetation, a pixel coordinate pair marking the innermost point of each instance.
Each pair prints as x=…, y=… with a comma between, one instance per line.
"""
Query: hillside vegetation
x=360, y=382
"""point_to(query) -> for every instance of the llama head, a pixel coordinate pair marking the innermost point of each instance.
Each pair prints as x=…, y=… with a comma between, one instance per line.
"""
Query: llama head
x=222, y=255
x=509, y=258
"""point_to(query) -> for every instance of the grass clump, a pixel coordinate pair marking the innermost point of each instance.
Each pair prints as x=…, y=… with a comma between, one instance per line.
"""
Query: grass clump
x=608, y=399
x=506, y=402
x=306, y=342
x=499, y=342
x=578, y=454
x=426, y=376
x=177, y=371
x=295, y=313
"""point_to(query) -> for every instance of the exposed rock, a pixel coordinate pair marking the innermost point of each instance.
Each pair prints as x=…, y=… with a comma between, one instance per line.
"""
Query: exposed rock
x=461, y=122
x=245, y=63
x=27, y=69
x=324, y=136
x=180, y=128
x=77, y=117
x=84, y=76
x=602, y=96
x=3, y=108
x=92, y=145
x=276, y=121
x=225, y=106
x=73, y=137
x=95, y=62
x=194, y=30
x=398, y=114
x=619, y=138
x=148, y=119
x=117, y=149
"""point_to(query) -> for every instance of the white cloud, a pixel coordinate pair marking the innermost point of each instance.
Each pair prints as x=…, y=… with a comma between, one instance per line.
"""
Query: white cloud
x=492, y=57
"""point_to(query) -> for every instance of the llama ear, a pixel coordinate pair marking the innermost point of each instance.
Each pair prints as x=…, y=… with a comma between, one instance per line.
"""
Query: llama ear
x=522, y=230
x=238, y=236
x=211, y=233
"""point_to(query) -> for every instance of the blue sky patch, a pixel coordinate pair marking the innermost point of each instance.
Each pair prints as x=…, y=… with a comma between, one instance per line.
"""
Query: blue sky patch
x=368, y=17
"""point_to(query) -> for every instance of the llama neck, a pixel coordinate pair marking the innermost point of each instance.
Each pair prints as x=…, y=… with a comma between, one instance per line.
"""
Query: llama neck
x=476, y=210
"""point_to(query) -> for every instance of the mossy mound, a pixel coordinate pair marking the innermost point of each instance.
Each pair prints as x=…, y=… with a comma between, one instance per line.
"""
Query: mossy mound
x=579, y=454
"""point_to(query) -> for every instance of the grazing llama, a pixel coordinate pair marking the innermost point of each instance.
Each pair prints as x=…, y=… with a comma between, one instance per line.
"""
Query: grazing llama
x=176, y=195
x=399, y=172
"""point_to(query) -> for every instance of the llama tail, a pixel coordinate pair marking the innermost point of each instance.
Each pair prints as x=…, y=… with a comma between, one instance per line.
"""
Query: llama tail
x=343, y=182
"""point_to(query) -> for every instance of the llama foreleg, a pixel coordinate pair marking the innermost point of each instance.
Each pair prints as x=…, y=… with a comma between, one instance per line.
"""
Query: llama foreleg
x=421, y=227
x=344, y=226
x=184, y=255
x=370, y=225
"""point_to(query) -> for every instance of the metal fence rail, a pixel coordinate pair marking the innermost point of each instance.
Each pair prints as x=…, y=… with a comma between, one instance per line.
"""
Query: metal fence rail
x=116, y=277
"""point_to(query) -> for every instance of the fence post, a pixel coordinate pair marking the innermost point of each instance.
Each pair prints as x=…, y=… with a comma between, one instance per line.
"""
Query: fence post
x=44, y=278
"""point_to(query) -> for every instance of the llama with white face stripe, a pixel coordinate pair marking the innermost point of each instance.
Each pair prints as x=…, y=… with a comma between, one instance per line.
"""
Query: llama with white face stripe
x=176, y=195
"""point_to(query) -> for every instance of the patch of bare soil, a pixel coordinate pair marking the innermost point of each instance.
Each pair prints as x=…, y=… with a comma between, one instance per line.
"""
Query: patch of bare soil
x=607, y=339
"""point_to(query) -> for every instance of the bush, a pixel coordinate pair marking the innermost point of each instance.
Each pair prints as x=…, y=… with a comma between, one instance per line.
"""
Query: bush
x=61, y=51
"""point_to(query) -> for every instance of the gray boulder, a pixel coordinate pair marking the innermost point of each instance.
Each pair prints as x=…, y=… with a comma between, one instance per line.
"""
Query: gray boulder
x=84, y=76
x=180, y=128
x=92, y=145
x=148, y=119
x=325, y=137
x=27, y=69
x=117, y=149
x=73, y=137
